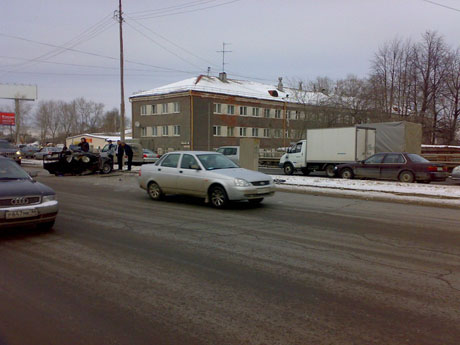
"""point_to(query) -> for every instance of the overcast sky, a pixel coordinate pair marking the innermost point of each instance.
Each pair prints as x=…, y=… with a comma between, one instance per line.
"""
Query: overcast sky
x=167, y=41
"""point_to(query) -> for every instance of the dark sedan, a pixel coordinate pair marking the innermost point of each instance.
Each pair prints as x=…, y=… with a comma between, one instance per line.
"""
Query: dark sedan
x=24, y=201
x=405, y=167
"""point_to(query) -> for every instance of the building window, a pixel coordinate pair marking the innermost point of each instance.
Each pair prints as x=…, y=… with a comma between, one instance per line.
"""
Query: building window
x=243, y=110
x=255, y=111
x=277, y=133
x=230, y=109
x=143, y=110
x=242, y=131
x=255, y=132
x=231, y=131
x=218, y=108
x=288, y=114
x=176, y=107
x=266, y=132
x=154, y=109
x=278, y=114
x=217, y=130
x=143, y=132
x=164, y=108
x=155, y=131
x=176, y=130
x=165, y=131
x=266, y=112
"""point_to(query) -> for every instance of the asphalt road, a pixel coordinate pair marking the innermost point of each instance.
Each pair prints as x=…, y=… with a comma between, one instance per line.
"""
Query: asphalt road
x=298, y=269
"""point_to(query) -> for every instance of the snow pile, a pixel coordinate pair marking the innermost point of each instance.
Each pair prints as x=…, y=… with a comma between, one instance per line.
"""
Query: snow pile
x=395, y=188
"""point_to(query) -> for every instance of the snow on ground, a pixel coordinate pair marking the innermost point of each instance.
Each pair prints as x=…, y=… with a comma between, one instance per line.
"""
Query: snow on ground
x=393, y=187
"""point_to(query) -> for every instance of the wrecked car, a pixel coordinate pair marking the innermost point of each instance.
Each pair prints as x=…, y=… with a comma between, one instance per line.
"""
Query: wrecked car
x=77, y=163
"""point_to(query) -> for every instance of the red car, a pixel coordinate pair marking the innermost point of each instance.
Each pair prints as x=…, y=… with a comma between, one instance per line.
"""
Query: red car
x=405, y=167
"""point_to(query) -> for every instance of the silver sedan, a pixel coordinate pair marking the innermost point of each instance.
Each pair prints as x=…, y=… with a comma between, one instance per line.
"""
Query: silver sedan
x=208, y=175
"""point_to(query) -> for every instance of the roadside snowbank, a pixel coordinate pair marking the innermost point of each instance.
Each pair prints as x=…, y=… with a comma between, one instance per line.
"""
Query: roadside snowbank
x=397, y=188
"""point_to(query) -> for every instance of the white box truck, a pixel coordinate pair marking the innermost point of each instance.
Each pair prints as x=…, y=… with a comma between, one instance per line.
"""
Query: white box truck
x=327, y=147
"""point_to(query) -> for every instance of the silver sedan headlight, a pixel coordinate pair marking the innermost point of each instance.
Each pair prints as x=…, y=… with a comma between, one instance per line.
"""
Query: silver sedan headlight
x=456, y=169
x=18, y=153
x=241, y=182
x=47, y=198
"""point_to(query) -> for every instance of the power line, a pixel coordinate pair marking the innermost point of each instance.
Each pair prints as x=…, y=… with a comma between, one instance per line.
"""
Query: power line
x=94, y=54
x=441, y=5
x=183, y=12
x=175, y=7
x=162, y=46
x=171, y=42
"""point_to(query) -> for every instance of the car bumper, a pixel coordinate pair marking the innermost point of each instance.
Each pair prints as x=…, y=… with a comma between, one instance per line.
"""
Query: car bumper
x=46, y=212
x=432, y=176
x=246, y=193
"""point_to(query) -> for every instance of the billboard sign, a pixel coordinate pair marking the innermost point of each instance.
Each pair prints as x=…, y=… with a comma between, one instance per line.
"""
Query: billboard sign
x=16, y=91
x=7, y=119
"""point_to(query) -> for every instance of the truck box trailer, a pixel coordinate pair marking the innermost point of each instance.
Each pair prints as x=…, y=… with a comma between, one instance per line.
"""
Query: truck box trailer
x=327, y=147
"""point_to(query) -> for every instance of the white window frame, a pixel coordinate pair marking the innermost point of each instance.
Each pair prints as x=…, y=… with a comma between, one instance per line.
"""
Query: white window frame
x=165, y=108
x=154, y=108
x=230, y=131
x=255, y=132
x=243, y=132
x=230, y=106
x=266, y=132
x=243, y=110
x=217, y=108
x=176, y=131
x=176, y=107
x=164, y=131
x=267, y=113
x=154, y=131
x=143, y=131
x=143, y=110
x=277, y=113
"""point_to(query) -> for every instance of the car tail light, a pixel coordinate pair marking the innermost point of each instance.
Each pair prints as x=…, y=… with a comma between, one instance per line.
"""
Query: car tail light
x=432, y=168
x=145, y=156
x=140, y=172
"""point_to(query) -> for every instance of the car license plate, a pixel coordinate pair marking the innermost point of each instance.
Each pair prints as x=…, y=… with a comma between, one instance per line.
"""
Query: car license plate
x=439, y=168
x=262, y=190
x=21, y=214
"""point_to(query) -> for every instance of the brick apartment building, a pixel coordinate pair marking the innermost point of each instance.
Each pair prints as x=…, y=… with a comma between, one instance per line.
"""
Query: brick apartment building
x=206, y=112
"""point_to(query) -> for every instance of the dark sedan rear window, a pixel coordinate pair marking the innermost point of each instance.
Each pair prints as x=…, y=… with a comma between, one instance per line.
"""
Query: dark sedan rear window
x=417, y=159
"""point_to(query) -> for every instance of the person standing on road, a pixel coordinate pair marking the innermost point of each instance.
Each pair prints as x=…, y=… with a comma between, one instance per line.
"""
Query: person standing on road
x=120, y=154
x=129, y=152
x=111, y=151
x=84, y=146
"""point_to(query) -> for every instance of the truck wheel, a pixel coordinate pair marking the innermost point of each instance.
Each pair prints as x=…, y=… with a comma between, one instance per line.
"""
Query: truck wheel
x=288, y=169
x=330, y=170
x=305, y=171
x=406, y=176
x=346, y=173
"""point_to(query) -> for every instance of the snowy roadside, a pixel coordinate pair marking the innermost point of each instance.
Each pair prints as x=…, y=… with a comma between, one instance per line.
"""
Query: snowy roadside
x=443, y=195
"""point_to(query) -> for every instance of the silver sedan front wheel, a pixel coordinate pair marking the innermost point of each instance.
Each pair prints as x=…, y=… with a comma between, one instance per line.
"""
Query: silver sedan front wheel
x=218, y=197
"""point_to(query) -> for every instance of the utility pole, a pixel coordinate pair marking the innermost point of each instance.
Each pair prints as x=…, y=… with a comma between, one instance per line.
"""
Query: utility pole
x=17, y=110
x=122, y=88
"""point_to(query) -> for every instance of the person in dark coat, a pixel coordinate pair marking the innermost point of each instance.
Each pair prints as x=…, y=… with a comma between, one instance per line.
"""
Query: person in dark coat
x=84, y=146
x=120, y=154
x=129, y=153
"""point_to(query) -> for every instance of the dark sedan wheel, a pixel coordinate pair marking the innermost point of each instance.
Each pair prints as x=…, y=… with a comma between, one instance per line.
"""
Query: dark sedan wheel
x=406, y=176
x=218, y=197
x=154, y=191
x=288, y=169
x=106, y=168
x=346, y=173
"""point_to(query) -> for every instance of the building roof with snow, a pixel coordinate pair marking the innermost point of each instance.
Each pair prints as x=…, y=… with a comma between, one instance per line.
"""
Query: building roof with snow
x=233, y=87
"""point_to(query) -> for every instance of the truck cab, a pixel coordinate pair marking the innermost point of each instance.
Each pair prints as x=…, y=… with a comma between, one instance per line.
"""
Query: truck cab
x=295, y=158
x=232, y=152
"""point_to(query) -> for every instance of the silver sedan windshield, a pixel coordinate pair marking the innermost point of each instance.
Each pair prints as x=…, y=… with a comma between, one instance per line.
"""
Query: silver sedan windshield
x=216, y=161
